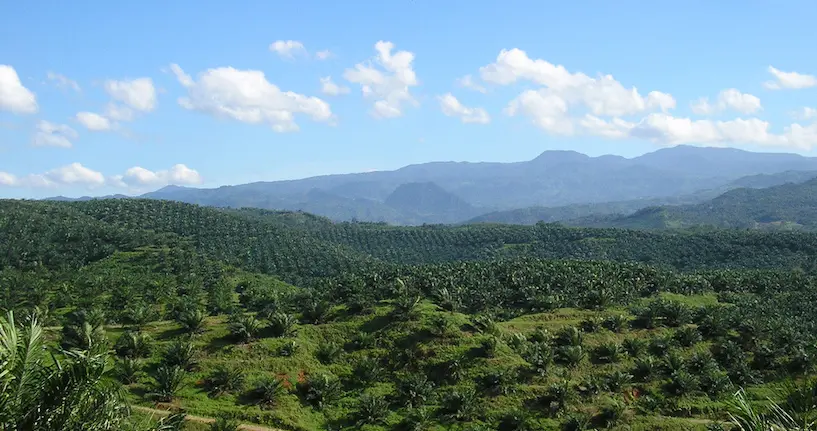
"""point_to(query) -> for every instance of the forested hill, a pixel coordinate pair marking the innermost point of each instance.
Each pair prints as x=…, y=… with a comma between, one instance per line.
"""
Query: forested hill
x=788, y=206
x=298, y=245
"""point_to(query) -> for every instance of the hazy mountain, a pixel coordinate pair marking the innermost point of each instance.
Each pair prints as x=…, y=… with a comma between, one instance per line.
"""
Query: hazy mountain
x=430, y=202
x=792, y=205
x=569, y=213
x=553, y=179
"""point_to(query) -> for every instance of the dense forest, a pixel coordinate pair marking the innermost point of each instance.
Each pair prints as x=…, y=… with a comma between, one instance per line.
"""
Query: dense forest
x=148, y=314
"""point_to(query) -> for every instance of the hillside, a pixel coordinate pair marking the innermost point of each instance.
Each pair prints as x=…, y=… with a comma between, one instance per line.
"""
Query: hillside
x=433, y=327
x=787, y=206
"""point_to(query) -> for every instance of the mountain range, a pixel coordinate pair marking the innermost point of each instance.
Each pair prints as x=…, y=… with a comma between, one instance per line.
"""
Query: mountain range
x=555, y=186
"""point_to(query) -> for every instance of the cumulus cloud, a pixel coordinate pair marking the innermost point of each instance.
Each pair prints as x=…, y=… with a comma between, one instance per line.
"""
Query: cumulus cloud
x=546, y=110
x=468, y=82
x=791, y=80
x=70, y=175
x=453, y=108
x=14, y=97
x=53, y=135
x=389, y=88
x=664, y=129
x=288, y=48
x=602, y=96
x=329, y=87
x=728, y=99
x=94, y=122
x=63, y=81
x=118, y=112
x=806, y=113
x=77, y=175
x=324, y=55
x=247, y=96
x=139, y=177
x=138, y=94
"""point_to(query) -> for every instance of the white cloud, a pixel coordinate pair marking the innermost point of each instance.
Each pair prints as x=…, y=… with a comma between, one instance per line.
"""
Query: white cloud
x=63, y=81
x=138, y=177
x=7, y=179
x=53, y=135
x=93, y=121
x=70, y=175
x=728, y=99
x=329, y=88
x=287, y=48
x=806, y=113
x=388, y=87
x=138, y=94
x=562, y=89
x=324, y=55
x=613, y=129
x=467, y=81
x=453, y=108
x=665, y=129
x=75, y=174
x=247, y=96
x=791, y=80
x=546, y=110
x=118, y=112
x=14, y=97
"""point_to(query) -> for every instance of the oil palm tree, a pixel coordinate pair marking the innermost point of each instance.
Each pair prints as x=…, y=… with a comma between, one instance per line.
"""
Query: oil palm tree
x=66, y=391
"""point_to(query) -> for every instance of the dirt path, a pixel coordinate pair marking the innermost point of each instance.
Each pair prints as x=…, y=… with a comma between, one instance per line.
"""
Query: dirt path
x=202, y=420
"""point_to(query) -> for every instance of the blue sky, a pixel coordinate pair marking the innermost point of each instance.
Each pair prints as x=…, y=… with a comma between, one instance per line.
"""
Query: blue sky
x=91, y=102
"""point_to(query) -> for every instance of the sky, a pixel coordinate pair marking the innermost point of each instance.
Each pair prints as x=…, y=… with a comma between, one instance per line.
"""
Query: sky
x=100, y=97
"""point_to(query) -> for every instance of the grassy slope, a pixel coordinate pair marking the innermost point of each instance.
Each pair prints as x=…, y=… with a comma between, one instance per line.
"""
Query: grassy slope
x=262, y=358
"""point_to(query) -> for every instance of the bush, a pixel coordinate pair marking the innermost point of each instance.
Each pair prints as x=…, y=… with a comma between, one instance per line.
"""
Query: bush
x=191, y=320
x=556, y=397
x=225, y=379
x=267, y=391
x=368, y=370
x=591, y=324
x=607, y=353
x=687, y=336
x=128, y=370
x=540, y=356
x=244, y=327
x=634, y=347
x=288, y=349
x=442, y=327
x=515, y=420
x=414, y=390
x=167, y=382
x=644, y=368
x=569, y=336
x=461, y=404
x=498, y=382
x=182, y=354
x=282, y=324
x=320, y=390
x=616, y=322
x=571, y=356
x=372, y=409
x=133, y=345
x=681, y=383
x=363, y=340
x=328, y=352
x=617, y=380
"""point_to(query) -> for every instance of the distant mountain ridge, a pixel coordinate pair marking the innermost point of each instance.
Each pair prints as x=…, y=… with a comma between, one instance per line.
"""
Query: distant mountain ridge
x=787, y=206
x=459, y=191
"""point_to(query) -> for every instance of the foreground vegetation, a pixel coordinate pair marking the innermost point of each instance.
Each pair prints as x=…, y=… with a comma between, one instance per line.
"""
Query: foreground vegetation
x=292, y=322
